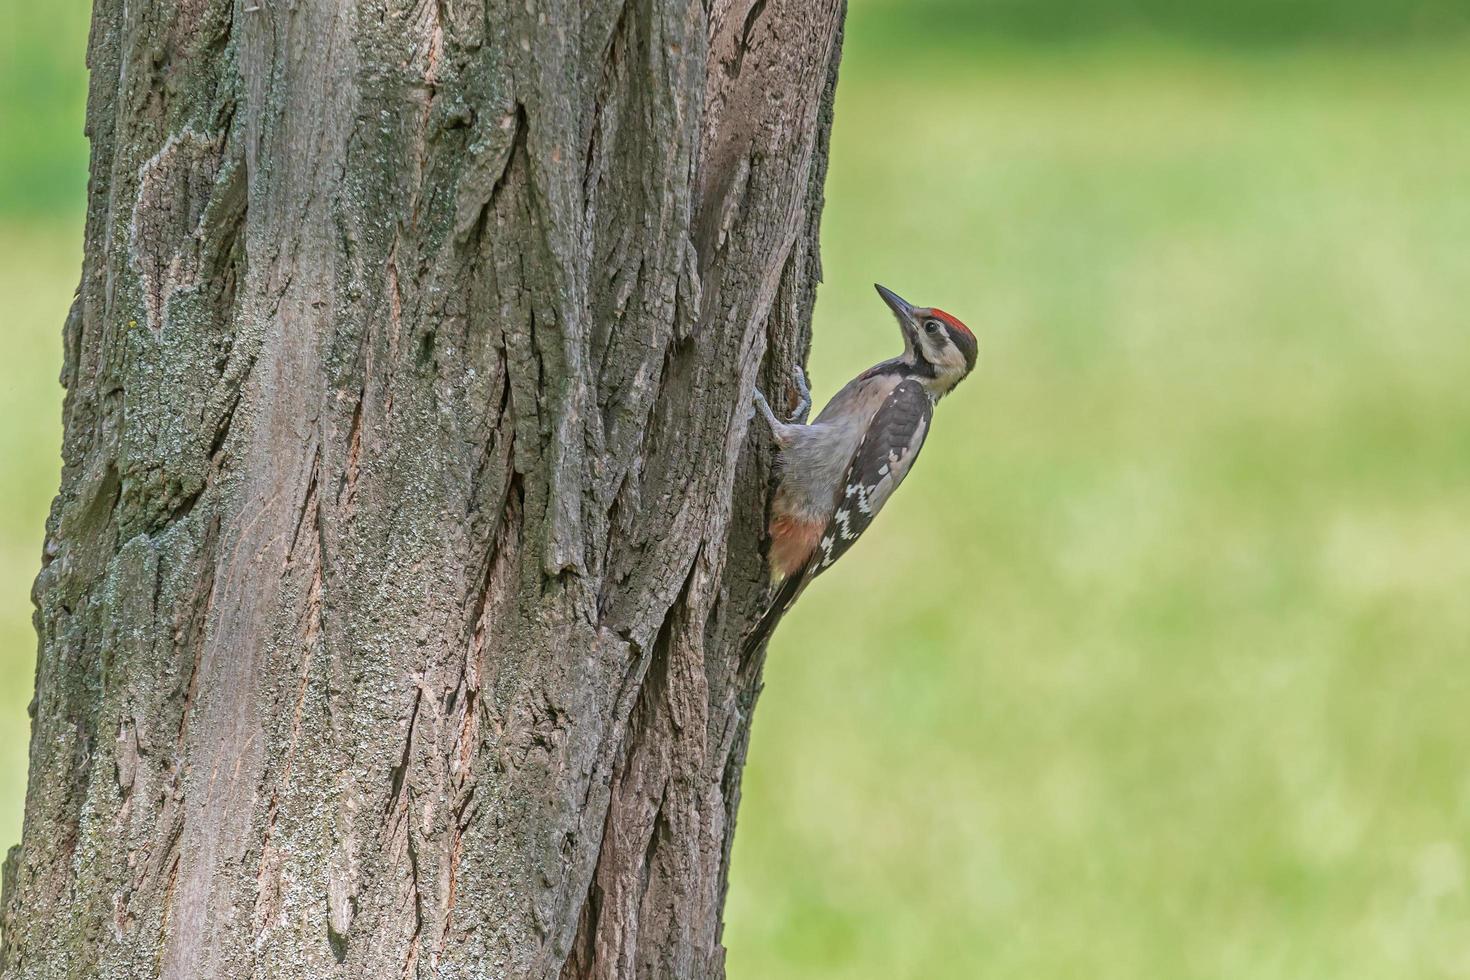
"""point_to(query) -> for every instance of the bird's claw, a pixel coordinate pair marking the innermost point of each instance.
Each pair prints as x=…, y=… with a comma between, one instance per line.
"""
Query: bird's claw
x=764, y=407
x=804, y=405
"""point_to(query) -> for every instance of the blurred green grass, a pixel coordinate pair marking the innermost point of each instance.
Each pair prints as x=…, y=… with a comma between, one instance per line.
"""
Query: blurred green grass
x=43, y=89
x=39, y=263
x=1157, y=666
x=927, y=25
x=43, y=159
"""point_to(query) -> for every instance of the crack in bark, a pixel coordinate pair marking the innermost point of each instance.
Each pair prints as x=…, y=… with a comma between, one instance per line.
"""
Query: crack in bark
x=752, y=15
x=400, y=771
x=347, y=485
x=489, y=173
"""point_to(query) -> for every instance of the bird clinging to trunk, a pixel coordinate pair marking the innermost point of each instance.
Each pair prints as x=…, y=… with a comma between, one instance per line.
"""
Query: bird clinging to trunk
x=836, y=473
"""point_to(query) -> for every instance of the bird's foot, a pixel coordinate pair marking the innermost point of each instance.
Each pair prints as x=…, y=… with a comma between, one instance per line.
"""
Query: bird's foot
x=764, y=407
x=804, y=405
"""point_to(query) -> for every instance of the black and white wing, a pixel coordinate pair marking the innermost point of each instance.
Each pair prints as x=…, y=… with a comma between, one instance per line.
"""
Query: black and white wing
x=889, y=449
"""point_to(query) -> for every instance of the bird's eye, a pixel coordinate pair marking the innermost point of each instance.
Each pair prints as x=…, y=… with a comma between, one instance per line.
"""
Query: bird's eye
x=932, y=326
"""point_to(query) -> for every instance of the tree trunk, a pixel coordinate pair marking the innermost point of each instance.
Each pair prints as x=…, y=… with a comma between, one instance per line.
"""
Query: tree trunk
x=409, y=522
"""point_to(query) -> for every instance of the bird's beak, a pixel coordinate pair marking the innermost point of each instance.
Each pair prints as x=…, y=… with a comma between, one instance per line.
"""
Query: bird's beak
x=901, y=308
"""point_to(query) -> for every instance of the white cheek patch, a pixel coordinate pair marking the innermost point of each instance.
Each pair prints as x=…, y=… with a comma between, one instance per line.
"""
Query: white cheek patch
x=938, y=350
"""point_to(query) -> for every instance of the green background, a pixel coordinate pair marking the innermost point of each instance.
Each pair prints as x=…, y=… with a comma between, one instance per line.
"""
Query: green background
x=1159, y=666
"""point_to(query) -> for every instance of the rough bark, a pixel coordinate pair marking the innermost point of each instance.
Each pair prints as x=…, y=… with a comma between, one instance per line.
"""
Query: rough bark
x=409, y=519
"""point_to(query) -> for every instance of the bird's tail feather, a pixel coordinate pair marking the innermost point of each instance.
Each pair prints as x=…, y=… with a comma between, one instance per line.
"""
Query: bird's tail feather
x=781, y=603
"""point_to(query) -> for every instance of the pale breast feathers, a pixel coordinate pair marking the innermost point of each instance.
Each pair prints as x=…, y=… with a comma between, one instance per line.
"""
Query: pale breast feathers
x=882, y=460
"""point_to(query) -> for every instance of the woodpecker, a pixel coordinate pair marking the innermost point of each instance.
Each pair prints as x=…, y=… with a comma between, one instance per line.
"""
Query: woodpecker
x=836, y=473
